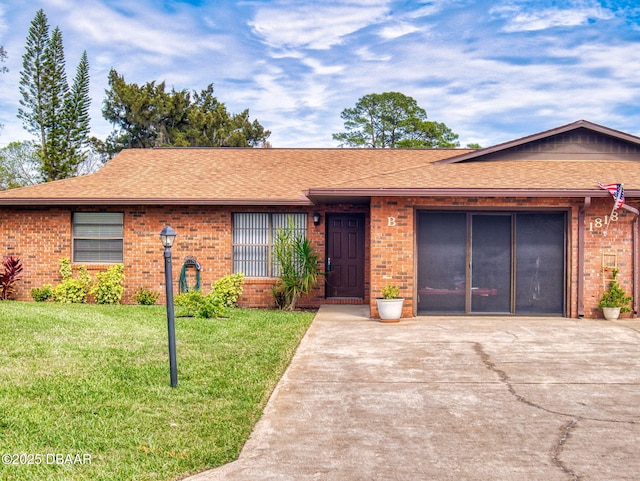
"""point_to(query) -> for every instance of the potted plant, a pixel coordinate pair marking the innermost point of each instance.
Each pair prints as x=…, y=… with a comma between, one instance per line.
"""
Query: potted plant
x=614, y=300
x=390, y=304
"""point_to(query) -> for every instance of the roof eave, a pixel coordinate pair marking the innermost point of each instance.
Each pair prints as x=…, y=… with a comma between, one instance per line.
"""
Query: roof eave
x=75, y=201
x=328, y=193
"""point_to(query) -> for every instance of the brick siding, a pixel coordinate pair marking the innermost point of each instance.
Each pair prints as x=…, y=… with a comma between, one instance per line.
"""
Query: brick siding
x=41, y=236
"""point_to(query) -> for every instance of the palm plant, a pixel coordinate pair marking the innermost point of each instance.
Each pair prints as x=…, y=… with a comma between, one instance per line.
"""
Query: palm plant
x=297, y=266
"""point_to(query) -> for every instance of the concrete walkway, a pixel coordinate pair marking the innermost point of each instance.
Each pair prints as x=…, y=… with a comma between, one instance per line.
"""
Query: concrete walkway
x=451, y=399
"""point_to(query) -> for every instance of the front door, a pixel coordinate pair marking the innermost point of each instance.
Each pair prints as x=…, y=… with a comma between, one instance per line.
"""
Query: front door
x=345, y=255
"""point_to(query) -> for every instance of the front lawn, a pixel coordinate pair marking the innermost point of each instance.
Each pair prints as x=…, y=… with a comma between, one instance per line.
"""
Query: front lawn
x=85, y=394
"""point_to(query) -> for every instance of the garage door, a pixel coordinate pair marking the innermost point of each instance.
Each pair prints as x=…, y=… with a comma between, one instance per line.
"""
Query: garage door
x=475, y=262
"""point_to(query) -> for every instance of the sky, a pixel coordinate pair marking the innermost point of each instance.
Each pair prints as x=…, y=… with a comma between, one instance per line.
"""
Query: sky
x=492, y=71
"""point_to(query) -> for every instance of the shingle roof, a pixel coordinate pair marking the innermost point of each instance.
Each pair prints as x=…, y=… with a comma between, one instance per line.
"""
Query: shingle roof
x=226, y=176
x=303, y=176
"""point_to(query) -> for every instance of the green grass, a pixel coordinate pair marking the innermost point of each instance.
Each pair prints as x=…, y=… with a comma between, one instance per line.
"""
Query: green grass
x=93, y=381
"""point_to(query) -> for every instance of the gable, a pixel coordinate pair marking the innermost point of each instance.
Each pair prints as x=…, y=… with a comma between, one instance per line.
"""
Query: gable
x=579, y=141
x=579, y=144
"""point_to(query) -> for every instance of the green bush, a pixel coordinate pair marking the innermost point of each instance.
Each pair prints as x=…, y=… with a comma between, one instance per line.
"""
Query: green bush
x=42, y=294
x=70, y=291
x=187, y=303
x=66, y=271
x=228, y=289
x=146, y=297
x=110, y=285
x=390, y=292
x=211, y=306
x=615, y=296
x=85, y=278
x=194, y=303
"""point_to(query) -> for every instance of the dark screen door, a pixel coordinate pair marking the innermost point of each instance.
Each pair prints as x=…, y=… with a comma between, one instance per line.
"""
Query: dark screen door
x=490, y=266
x=491, y=263
x=345, y=256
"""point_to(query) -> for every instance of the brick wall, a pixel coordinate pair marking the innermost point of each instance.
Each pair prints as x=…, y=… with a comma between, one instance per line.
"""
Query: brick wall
x=41, y=236
x=616, y=245
x=393, y=244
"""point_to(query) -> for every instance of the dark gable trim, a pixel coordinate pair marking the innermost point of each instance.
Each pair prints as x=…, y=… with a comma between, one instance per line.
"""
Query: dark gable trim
x=580, y=124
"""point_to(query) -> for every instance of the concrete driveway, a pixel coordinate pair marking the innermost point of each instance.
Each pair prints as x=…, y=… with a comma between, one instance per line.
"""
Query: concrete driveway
x=451, y=399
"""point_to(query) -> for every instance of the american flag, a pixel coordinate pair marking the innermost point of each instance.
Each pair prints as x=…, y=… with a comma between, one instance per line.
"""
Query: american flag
x=616, y=191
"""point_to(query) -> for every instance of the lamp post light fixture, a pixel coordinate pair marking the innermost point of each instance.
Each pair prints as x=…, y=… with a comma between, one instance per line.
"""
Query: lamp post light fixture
x=168, y=236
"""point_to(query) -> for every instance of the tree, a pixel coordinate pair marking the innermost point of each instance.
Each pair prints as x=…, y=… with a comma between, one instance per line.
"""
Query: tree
x=19, y=165
x=150, y=116
x=58, y=115
x=3, y=69
x=392, y=120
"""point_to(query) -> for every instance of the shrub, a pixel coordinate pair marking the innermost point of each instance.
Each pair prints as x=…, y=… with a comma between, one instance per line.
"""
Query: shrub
x=390, y=292
x=228, y=289
x=110, y=285
x=85, y=279
x=187, y=303
x=615, y=296
x=211, y=306
x=42, y=294
x=12, y=267
x=146, y=297
x=70, y=291
x=66, y=271
x=194, y=303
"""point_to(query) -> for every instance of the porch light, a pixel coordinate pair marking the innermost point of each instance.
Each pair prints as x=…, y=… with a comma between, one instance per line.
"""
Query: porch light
x=168, y=236
x=316, y=218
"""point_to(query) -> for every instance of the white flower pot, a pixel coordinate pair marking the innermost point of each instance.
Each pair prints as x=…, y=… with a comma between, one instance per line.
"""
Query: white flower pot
x=390, y=309
x=611, y=313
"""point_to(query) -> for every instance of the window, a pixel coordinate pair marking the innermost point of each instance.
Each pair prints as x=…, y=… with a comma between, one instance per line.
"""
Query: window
x=98, y=237
x=253, y=235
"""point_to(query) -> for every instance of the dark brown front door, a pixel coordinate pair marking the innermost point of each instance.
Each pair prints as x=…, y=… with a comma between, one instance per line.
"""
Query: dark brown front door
x=345, y=255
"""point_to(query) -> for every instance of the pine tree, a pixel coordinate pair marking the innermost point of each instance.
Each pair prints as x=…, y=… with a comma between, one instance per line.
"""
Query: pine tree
x=77, y=113
x=32, y=81
x=51, y=110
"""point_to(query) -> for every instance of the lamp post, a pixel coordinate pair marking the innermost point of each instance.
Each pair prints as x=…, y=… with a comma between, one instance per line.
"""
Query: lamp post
x=168, y=236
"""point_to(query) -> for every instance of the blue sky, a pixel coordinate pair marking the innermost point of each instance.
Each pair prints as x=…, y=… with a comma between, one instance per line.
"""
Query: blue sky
x=492, y=71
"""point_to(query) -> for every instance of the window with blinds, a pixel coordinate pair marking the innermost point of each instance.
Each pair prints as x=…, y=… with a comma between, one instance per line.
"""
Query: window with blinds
x=253, y=235
x=98, y=237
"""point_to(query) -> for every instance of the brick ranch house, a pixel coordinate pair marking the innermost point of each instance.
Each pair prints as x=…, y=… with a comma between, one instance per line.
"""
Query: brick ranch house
x=519, y=228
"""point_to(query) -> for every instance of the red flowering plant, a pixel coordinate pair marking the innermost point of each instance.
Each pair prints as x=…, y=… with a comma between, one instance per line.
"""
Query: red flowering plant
x=12, y=267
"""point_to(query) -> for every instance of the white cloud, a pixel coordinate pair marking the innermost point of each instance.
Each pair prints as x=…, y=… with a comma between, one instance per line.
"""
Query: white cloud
x=319, y=25
x=365, y=53
x=321, y=69
x=397, y=30
x=519, y=19
x=155, y=33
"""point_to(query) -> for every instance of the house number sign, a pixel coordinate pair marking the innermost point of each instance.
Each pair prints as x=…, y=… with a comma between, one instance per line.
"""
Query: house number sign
x=600, y=223
x=391, y=221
